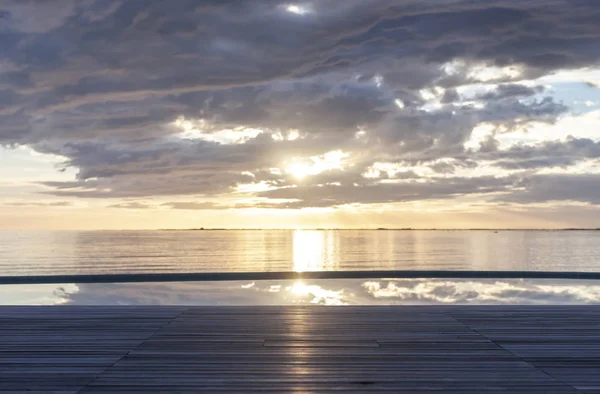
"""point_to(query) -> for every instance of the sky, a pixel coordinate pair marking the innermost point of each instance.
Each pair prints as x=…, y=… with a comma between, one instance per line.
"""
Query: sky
x=248, y=114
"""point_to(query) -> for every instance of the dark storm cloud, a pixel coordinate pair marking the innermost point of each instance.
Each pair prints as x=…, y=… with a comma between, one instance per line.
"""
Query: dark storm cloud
x=557, y=187
x=327, y=195
x=16, y=79
x=101, y=82
x=511, y=90
x=548, y=154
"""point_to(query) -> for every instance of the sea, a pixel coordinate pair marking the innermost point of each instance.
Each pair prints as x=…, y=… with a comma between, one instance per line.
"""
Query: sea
x=109, y=252
x=105, y=252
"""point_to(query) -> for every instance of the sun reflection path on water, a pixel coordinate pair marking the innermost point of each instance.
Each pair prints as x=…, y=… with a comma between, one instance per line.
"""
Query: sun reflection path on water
x=314, y=250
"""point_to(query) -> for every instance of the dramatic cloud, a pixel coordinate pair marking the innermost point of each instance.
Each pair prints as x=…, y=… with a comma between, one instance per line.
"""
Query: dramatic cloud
x=294, y=105
x=558, y=187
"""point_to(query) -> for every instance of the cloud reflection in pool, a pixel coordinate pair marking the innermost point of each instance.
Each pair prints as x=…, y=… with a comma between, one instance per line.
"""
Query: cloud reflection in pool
x=313, y=292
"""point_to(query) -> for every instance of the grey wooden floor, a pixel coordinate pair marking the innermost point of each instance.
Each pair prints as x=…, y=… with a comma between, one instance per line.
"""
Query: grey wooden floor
x=148, y=349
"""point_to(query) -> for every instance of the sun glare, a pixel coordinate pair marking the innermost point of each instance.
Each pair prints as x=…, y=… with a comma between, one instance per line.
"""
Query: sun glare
x=300, y=288
x=318, y=294
x=296, y=9
x=301, y=168
x=314, y=250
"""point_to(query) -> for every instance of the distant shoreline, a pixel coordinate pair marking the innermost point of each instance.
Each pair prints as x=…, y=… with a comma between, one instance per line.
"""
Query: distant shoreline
x=308, y=229
x=375, y=229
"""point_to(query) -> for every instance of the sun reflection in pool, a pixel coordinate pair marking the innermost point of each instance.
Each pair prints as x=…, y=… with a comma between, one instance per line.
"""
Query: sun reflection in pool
x=298, y=288
x=317, y=294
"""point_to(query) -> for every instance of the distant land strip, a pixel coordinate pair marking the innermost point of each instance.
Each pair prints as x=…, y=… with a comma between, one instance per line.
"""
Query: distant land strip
x=369, y=229
x=288, y=275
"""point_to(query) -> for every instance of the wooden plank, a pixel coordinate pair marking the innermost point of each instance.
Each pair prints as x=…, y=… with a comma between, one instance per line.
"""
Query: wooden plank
x=460, y=349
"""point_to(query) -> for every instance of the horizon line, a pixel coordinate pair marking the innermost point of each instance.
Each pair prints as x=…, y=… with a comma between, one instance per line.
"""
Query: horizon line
x=325, y=229
x=388, y=229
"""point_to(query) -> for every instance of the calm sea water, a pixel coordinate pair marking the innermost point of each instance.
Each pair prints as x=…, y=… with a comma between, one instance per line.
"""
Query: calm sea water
x=45, y=253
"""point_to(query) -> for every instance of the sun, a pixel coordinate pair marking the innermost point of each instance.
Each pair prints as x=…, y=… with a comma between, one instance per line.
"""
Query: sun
x=297, y=9
x=299, y=170
x=302, y=167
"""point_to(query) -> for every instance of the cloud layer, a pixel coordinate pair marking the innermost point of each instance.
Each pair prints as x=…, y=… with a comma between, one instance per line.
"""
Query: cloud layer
x=317, y=105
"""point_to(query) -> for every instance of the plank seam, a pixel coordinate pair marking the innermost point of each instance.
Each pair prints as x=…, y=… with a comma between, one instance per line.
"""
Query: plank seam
x=131, y=350
x=517, y=356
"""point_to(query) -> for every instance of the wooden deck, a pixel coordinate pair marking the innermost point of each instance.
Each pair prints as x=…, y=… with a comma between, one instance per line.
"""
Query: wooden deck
x=148, y=349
